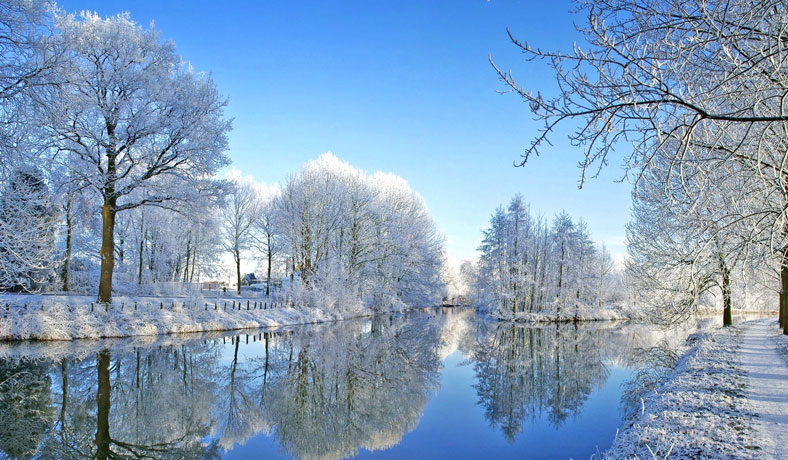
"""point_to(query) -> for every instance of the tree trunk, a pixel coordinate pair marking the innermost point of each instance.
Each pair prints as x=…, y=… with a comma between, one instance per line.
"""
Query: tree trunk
x=194, y=264
x=107, y=250
x=188, y=259
x=238, y=269
x=67, y=257
x=784, y=292
x=727, y=320
x=143, y=234
x=64, y=388
x=102, y=406
x=560, y=280
x=268, y=274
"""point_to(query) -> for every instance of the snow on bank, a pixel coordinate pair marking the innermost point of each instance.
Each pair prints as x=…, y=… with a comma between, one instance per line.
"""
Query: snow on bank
x=70, y=317
x=699, y=410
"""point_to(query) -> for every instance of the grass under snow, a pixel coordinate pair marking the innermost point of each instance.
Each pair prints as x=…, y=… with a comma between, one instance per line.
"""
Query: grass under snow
x=71, y=317
x=698, y=411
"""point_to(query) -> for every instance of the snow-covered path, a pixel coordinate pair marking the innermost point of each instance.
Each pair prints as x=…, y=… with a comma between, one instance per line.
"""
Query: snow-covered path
x=767, y=389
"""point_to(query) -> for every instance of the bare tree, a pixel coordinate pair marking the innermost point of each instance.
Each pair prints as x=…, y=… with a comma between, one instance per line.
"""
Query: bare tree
x=678, y=81
x=238, y=217
x=132, y=121
x=267, y=234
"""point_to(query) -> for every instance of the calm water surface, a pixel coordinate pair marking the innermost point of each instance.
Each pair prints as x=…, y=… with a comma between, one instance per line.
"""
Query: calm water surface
x=439, y=384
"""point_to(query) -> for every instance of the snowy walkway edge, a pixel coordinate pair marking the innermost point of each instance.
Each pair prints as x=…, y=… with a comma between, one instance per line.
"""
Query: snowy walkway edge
x=767, y=385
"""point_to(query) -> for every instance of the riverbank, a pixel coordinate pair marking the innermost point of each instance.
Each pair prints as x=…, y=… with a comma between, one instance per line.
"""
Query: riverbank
x=610, y=313
x=710, y=405
x=604, y=313
x=36, y=317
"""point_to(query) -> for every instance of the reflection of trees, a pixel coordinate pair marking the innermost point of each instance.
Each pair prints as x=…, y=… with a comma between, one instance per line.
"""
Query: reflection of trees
x=324, y=392
x=25, y=407
x=359, y=386
x=527, y=372
x=141, y=404
x=321, y=391
x=236, y=412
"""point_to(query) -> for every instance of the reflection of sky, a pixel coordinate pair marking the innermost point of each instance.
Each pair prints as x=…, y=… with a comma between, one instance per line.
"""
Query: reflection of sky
x=413, y=393
x=258, y=447
x=454, y=426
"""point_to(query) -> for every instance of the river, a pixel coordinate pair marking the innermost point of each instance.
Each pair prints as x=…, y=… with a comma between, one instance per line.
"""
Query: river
x=441, y=383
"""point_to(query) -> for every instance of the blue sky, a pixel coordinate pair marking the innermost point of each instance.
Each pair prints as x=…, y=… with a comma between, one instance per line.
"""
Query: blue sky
x=403, y=87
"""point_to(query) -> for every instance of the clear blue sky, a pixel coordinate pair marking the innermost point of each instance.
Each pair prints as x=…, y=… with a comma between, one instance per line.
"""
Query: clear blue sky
x=398, y=86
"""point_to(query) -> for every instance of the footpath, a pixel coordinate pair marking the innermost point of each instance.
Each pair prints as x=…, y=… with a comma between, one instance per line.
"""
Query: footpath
x=767, y=385
x=726, y=398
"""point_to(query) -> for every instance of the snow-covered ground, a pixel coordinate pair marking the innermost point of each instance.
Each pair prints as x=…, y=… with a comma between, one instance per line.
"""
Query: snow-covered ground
x=75, y=317
x=726, y=398
x=762, y=356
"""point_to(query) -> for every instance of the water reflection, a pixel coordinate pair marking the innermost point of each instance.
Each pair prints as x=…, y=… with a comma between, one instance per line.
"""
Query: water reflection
x=26, y=412
x=523, y=372
x=323, y=392
x=144, y=404
x=351, y=390
x=327, y=391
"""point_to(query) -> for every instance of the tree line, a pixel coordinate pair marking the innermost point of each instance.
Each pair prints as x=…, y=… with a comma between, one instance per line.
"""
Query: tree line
x=528, y=264
x=110, y=148
x=100, y=110
x=691, y=98
x=337, y=233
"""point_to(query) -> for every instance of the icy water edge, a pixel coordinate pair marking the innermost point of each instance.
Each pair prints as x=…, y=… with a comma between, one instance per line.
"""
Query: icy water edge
x=437, y=384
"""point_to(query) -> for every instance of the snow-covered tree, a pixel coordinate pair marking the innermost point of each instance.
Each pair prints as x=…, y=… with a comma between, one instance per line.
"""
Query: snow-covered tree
x=697, y=86
x=688, y=239
x=27, y=64
x=132, y=121
x=268, y=236
x=238, y=216
x=366, y=237
x=527, y=265
x=27, y=231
